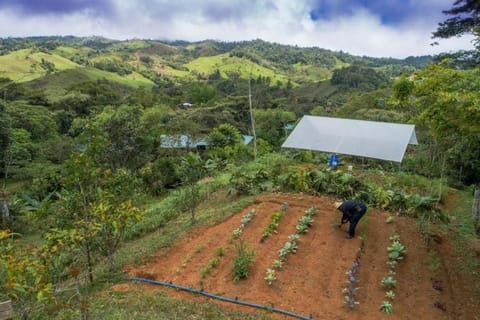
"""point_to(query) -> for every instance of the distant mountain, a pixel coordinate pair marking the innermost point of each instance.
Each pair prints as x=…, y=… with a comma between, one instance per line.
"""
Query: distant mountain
x=148, y=61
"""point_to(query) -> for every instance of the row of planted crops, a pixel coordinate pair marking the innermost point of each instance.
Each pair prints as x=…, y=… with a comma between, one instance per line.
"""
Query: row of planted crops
x=244, y=256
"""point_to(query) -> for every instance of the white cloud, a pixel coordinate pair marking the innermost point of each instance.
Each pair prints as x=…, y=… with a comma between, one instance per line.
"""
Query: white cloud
x=283, y=21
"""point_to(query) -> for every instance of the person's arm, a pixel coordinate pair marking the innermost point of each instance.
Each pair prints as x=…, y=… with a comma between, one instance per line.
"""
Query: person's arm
x=344, y=218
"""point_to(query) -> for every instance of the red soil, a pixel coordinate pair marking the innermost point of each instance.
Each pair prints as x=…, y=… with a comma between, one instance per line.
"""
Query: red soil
x=311, y=281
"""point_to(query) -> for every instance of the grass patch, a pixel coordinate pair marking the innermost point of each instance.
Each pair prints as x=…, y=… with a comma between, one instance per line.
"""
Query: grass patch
x=141, y=304
x=306, y=72
x=160, y=231
x=463, y=237
x=156, y=305
x=25, y=65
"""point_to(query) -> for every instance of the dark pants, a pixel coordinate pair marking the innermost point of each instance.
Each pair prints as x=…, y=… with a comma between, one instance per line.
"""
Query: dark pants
x=354, y=221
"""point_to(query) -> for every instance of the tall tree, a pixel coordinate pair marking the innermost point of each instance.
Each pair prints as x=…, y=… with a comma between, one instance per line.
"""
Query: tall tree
x=465, y=19
x=448, y=102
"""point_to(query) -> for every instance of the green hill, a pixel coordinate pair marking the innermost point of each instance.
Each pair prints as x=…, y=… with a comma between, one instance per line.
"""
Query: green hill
x=28, y=64
x=137, y=62
x=227, y=64
x=57, y=84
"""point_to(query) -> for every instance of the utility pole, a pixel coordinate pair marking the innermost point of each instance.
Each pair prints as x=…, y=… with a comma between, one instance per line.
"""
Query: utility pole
x=3, y=193
x=252, y=119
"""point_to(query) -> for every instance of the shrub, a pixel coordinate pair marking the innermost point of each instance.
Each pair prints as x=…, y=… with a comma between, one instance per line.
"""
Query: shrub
x=242, y=261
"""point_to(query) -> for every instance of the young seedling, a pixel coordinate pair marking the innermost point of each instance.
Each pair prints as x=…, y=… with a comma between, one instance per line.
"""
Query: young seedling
x=386, y=307
x=351, y=289
x=245, y=219
x=220, y=251
x=277, y=264
x=389, y=282
x=396, y=251
x=390, y=294
x=270, y=276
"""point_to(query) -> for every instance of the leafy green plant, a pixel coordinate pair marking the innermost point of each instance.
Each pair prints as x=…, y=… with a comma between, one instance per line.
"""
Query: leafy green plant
x=389, y=282
x=289, y=247
x=396, y=250
x=220, y=251
x=295, y=180
x=270, y=276
x=213, y=263
x=386, y=307
x=242, y=261
x=303, y=224
x=273, y=225
x=390, y=294
x=390, y=219
x=277, y=264
x=245, y=219
x=293, y=238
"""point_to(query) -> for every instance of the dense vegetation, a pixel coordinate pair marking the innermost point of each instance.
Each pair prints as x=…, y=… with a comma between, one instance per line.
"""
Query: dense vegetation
x=90, y=129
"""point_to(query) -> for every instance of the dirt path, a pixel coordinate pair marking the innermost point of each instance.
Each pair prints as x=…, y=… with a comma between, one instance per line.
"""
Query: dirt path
x=311, y=281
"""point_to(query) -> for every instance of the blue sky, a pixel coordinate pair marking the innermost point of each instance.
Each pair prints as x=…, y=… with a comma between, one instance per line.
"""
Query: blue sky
x=381, y=28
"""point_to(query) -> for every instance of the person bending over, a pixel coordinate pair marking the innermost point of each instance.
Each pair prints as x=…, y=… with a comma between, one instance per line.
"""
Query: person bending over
x=352, y=211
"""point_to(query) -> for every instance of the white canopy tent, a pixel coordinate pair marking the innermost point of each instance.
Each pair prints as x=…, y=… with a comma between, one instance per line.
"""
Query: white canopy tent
x=372, y=139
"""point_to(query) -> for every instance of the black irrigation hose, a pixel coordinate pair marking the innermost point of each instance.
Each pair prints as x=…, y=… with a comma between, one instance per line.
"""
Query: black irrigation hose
x=214, y=296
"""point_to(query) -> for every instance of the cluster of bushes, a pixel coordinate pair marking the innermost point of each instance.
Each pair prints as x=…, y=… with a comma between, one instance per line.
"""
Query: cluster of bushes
x=112, y=65
x=257, y=178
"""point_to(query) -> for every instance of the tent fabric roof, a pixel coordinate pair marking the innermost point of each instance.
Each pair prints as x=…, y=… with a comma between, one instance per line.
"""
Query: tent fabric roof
x=372, y=139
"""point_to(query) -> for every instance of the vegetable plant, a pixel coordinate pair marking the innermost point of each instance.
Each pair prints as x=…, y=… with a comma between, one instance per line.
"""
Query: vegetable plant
x=396, y=250
x=351, y=290
x=245, y=219
x=270, y=276
x=273, y=225
x=389, y=282
x=386, y=307
x=241, y=263
x=277, y=264
x=303, y=224
x=390, y=294
x=287, y=248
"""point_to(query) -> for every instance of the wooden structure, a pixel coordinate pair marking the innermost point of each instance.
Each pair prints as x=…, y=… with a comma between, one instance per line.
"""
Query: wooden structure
x=6, y=310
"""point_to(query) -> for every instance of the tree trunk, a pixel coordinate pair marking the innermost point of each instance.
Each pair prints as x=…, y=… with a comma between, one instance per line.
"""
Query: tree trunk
x=476, y=200
x=89, y=265
x=4, y=209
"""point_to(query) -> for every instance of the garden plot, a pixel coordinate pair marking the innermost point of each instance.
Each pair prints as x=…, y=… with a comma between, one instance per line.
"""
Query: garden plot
x=311, y=280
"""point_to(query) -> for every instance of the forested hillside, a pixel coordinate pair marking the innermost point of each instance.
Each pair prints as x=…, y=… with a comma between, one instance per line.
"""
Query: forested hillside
x=111, y=145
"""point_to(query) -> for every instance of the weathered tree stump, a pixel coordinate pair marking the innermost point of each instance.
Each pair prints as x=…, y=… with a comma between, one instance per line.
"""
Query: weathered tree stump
x=6, y=310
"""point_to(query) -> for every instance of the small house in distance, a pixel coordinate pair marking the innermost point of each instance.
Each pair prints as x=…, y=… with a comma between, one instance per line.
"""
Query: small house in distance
x=185, y=105
x=185, y=142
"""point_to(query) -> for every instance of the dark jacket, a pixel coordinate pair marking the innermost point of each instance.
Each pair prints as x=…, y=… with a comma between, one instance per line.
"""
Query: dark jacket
x=353, y=211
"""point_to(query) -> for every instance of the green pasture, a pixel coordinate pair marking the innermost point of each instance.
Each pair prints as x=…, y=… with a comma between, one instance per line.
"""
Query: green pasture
x=69, y=52
x=306, y=73
x=226, y=64
x=25, y=65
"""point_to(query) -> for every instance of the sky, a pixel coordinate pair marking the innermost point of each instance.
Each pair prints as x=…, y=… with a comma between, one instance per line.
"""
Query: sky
x=377, y=28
